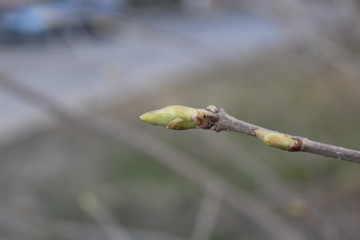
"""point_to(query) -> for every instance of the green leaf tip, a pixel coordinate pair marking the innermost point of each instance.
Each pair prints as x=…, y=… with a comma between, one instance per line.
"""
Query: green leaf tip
x=278, y=140
x=178, y=117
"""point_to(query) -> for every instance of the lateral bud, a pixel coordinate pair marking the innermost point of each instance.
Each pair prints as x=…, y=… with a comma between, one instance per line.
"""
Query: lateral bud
x=278, y=140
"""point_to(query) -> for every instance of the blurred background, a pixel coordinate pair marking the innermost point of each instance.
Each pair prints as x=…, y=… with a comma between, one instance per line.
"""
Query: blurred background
x=77, y=163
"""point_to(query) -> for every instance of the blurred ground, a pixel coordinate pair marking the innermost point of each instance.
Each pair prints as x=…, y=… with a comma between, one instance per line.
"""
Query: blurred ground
x=58, y=182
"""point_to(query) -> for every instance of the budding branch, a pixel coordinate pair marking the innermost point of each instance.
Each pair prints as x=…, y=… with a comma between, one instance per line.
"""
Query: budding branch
x=211, y=118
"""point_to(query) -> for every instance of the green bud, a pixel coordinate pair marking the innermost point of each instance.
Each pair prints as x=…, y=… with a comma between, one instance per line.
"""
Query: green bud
x=278, y=140
x=176, y=117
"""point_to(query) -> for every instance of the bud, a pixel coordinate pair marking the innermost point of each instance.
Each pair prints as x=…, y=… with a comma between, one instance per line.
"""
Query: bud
x=278, y=140
x=176, y=117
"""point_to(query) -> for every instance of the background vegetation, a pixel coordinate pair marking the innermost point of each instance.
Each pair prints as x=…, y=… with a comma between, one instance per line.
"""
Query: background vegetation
x=63, y=183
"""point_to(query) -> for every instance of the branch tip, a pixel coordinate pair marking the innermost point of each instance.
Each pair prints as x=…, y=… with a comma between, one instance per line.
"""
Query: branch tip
x=178, y=117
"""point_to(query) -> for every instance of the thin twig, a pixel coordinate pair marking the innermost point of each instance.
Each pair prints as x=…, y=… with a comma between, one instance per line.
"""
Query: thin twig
x=206, y=218
x=179, y=117
x=225, y=122
x=254, y=209
x=103, y=217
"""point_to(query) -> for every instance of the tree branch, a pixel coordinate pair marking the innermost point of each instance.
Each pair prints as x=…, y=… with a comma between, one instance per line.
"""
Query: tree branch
x=283, y=141
x=181, y=118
